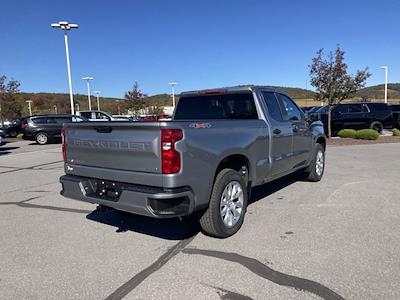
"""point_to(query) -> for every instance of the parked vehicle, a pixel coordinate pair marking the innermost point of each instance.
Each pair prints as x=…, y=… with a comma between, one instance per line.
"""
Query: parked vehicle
x=13, y=127
x=98, y=115
x=356, y=116
x=2, y=137
x=46, y=128
x=396, y=115
x=217, y=147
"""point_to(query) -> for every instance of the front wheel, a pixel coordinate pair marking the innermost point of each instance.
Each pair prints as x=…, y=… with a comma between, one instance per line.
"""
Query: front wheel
x=317, y=166
x=42, y=138
x=228, y=203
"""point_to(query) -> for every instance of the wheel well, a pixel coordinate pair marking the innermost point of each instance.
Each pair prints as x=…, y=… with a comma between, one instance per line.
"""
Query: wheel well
x=235, y=162
x=321, y=140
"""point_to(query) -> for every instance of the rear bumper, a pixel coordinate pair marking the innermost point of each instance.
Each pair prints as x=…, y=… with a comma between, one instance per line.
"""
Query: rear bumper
x=138, y=199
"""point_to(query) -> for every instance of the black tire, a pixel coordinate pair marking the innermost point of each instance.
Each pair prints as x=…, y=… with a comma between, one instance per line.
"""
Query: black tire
x=42, y=138
x=12, y=134
x=211, y=221
x=376, y=125
x=312, y=173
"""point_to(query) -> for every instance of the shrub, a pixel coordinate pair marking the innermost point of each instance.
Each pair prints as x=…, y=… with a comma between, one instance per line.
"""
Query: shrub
x=396, y=132
x=347, y=133
x=367, y=134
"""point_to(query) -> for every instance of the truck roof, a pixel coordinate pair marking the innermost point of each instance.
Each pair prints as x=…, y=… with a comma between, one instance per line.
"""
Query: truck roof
x=233, y=89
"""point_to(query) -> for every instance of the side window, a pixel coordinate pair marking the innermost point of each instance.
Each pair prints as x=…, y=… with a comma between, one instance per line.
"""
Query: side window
x=86, y=114
x=273, y=106
x=101, y=116
x=77, y=119
x=355, y=108
x=51, y=121
x=289, y=109
x=62, y=120
x=39, y=120
x=342, y=109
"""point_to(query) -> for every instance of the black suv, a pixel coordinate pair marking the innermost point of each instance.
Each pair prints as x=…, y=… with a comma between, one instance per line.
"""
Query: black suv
x=356, y=116
x=45, y=128
x=396, y=115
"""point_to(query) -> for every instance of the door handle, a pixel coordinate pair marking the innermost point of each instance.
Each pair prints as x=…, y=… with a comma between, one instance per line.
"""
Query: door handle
x=277, y=131
x=295, y=128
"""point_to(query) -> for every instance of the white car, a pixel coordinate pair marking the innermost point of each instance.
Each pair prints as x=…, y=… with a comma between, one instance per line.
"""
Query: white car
x=98, y=115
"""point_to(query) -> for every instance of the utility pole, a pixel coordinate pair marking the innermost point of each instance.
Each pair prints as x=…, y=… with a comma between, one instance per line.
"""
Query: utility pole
x=65, y=26
x=29, y=106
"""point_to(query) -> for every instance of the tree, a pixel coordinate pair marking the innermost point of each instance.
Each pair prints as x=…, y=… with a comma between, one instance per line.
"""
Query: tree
x=9, y=107
x=332, y=82
x=135, y=99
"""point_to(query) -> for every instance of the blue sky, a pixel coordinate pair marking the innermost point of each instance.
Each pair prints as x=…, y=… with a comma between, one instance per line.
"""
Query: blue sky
x=199, y=44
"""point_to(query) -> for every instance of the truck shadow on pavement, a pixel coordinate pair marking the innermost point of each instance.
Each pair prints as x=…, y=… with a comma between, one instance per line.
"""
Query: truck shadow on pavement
x=260, y=192
x=177, y=229
x=170, y=229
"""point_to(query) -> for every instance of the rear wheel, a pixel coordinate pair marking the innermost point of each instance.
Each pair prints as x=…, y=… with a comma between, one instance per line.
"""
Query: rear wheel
x=42, y=138
x=376, y=126
x=228, y=202
x=317, y=167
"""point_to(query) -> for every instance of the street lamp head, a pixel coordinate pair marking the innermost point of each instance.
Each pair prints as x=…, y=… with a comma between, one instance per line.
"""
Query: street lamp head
x=172, y=83
x=384, y=67
x=64, y=25
x=97, y=92
x=87, y=78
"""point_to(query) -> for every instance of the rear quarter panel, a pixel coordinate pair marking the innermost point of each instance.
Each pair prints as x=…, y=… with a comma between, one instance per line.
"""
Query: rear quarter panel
x=204, y=148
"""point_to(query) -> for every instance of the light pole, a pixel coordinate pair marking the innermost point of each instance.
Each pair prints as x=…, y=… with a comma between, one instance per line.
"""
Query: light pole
x=386, y=80
x=87, y=78
x=67, y=26
x=173, y=84
x=77, y=107
x=98, y=102
x=29, y=106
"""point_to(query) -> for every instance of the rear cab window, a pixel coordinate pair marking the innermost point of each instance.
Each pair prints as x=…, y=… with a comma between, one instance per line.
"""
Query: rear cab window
x=234, y=106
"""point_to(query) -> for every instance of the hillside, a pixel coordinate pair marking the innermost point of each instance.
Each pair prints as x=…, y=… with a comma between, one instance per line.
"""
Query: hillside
x=378, y=91
x=45, y=102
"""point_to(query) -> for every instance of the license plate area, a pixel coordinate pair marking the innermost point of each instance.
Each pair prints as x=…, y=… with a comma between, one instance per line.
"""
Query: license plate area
x=103, y=189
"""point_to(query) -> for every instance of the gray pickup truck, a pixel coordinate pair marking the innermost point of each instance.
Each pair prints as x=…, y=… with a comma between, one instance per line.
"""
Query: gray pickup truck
x=204, y=162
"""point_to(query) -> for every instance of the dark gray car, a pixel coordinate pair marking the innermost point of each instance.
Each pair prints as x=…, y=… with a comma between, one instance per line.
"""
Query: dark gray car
x=218, y=145
x=46, y=128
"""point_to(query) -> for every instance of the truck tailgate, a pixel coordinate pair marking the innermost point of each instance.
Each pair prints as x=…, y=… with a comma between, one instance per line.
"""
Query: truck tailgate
x=124, y=146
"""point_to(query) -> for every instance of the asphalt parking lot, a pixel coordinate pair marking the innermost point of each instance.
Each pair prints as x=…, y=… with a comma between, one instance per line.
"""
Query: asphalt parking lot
x=335, y=239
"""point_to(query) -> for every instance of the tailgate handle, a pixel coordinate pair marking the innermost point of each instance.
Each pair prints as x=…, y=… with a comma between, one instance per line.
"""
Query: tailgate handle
x=105, y=129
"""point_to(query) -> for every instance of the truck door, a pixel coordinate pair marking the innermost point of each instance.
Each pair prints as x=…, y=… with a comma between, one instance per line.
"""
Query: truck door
x=282, y=135
x=302, y=139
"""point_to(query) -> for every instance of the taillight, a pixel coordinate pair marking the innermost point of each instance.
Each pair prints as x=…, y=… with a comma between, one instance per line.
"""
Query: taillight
x=24, y=125
x=64, y=143
x=170, y=158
